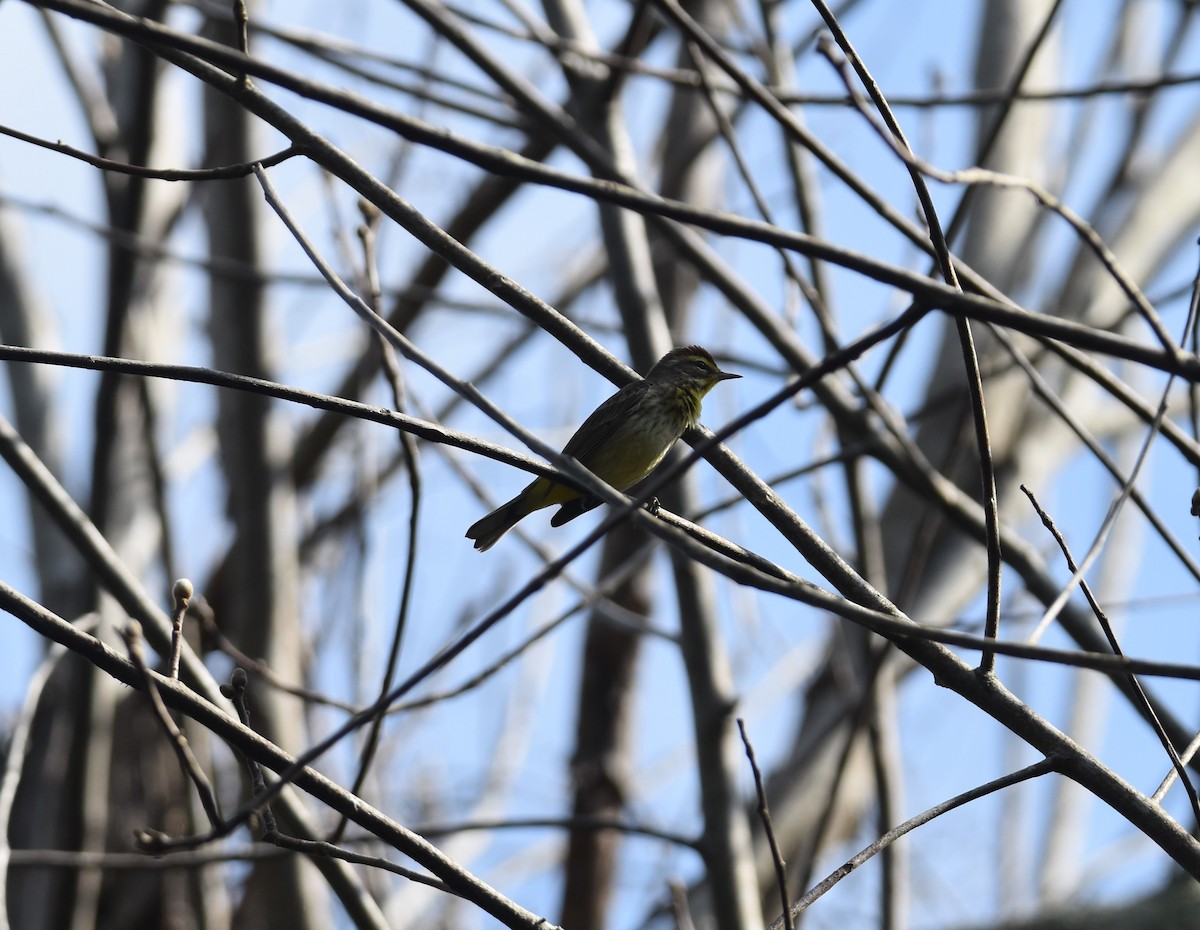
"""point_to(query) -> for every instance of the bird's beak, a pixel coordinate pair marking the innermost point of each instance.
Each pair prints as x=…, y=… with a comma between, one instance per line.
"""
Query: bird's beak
x=726, y=376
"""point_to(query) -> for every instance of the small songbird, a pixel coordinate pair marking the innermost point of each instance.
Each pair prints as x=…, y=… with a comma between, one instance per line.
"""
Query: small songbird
x=621, y=442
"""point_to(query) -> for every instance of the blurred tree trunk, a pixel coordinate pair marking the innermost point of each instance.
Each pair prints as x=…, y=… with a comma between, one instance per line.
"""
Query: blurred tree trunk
x=85, y=751
x=257, y=601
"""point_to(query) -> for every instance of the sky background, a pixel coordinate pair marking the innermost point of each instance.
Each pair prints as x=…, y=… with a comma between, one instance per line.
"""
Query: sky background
x=911, y=46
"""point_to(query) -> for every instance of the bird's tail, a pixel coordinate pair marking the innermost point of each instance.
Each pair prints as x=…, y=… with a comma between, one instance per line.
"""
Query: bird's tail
x=487, y=530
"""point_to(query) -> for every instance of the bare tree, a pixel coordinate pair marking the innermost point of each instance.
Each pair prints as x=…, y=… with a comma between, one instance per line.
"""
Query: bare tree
x=888, y=647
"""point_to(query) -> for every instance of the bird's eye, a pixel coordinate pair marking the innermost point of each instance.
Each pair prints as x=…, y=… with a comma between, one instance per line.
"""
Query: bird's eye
x=700, y=364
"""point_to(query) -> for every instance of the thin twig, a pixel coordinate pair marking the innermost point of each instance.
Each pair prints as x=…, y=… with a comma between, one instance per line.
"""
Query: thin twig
x=764, y=814
x=222, y=173
x=1036, y=770
x=241, y=20
x=1139, y=693
x=132, y=634
x=367, y=233
x=837, y=782
x=629, y=828
x=235, y=690
x=1185, y=757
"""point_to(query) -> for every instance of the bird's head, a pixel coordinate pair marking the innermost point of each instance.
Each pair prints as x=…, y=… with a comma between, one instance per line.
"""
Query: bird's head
x=690, y=368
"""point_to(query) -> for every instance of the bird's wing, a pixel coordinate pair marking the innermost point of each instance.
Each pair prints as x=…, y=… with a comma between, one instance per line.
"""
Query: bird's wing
x=598, y=428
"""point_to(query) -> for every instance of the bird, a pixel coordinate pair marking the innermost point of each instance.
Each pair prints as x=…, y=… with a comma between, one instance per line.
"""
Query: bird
x=621, y=442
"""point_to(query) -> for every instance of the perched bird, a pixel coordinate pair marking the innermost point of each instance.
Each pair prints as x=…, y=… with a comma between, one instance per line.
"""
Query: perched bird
x=621, y=442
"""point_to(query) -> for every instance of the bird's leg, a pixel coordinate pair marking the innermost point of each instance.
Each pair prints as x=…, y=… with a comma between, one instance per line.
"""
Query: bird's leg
x=653, y=506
